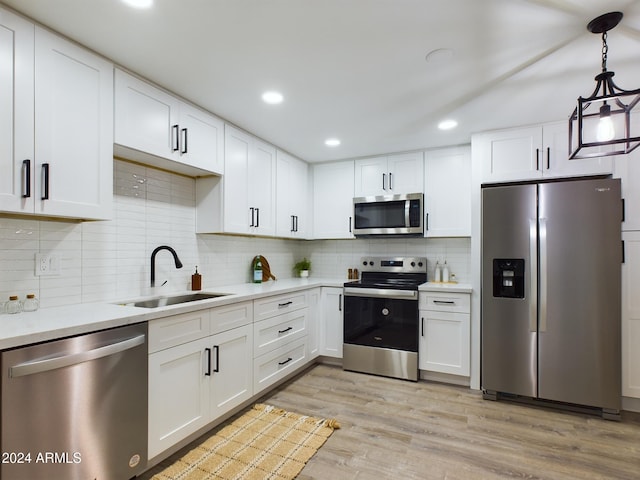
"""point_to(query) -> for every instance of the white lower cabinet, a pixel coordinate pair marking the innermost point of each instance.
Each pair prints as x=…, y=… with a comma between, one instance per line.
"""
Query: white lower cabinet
x=331, y=322
x=631, y=315
x=194, y=381
x=313, y=323
x=445, y=335
x=278, y=363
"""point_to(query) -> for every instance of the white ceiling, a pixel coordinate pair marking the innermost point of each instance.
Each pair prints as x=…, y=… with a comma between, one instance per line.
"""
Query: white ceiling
x=356, y=69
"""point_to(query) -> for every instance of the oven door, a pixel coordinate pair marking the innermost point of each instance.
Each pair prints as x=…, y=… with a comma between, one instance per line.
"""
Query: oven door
x=382, y=318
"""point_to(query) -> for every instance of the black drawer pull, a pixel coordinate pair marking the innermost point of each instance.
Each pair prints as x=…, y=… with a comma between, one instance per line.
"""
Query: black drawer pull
x=444, y=302
x=286, y=304
x=217, y=369
x=285, y=330
x=26, y=178
x=285, y=362
x=208, y=372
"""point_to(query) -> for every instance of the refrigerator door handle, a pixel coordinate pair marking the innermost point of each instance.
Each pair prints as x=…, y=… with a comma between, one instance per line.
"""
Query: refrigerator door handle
x=533, y=273
x=543, y=274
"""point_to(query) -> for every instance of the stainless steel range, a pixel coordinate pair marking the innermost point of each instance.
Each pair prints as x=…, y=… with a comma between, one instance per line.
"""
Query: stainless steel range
x=381, y=317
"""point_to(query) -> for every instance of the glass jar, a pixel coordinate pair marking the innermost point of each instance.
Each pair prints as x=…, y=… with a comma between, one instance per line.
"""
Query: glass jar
x=13, y=305
x=31, y=304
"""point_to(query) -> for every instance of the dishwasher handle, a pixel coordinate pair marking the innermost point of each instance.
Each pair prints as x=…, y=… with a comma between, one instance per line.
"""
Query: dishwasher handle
x=39, y=366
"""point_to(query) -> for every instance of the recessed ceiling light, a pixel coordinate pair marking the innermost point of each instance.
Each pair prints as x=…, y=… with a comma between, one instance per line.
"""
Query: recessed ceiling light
x=447, y=124
x=139, y=3
x=332, y=142
x=272, y=98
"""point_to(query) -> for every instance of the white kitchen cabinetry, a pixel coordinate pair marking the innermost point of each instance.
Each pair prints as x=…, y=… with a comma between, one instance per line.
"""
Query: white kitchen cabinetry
x=199, y=369
x=155, y=127
x=292, y=192
x=530, y=153
x=331, y=322
x=447, y=198
x=627, y=168
x=280, y=337
x=389, y=175
x=58, y=160
x=16, y=113
x=631, y=315
x=249, y=185
x=333, y=200
x=313, y=323
x=445, y=333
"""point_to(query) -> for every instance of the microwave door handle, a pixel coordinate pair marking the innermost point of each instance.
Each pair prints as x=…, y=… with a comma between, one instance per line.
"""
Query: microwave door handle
x=407, y=209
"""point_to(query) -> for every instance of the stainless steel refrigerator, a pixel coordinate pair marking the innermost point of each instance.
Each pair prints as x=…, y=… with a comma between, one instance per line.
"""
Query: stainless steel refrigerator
x=551, y=256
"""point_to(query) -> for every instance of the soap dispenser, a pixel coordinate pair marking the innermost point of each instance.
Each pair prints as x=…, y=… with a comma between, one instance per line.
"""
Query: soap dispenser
x=196, y=280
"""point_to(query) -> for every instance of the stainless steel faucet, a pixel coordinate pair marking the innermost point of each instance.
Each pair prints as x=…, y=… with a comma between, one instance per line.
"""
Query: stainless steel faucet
x=153, y=261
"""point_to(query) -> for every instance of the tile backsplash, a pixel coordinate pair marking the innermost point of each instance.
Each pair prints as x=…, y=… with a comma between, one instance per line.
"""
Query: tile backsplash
x=110, y=260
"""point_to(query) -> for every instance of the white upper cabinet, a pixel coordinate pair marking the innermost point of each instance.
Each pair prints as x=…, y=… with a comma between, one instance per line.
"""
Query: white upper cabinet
x=389, y=175
x=248, y=184
x=333, y=200
x=16, y=114
x=627, y=168
x=73, y=130
x=56, y=119
x=154, y=127
x=447, y=198
x=530, y=153
x=292, y=190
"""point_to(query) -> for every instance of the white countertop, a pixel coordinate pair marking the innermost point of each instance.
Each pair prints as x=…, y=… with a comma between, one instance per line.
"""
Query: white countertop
x=446, y=287
x=58, y=322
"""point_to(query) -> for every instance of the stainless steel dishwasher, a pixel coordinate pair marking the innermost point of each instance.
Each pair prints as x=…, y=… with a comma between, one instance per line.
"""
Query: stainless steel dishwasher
x=76, y=408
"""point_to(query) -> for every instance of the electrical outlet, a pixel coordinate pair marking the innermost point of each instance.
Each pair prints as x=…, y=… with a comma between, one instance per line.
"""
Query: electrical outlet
x=47, y=264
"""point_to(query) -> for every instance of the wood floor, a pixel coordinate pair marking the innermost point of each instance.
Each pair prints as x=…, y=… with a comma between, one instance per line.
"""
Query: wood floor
x=395, y=429
x=401, y=430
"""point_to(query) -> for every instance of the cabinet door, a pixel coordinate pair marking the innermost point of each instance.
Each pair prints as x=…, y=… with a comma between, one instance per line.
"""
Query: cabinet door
x=447, y=198
x=444, y=344
x=232, y=369
x=146, y=118
x=406, y=173
x=627, y=168
x=313, y=324
x=262, y=192
x=16, y=113
x=333, y=200
x=631, y=315
x=331, y=323
x=201, y=139
x=73, y=130
x=179, y=394
x=237, y=216
x=555, y=137
x=514, y=154
x=371, y=177
x=291, y=196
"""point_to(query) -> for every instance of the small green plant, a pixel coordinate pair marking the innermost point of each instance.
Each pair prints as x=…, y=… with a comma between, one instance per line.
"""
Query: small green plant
x=302, y=265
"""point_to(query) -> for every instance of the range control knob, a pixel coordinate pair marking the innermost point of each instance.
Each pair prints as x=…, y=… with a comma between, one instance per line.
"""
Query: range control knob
x=413, y=264
x=419, y=264
x=364, y=263
x=371, y=264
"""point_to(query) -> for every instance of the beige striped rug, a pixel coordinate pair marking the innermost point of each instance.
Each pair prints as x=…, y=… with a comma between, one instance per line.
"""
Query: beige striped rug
x=264, y=443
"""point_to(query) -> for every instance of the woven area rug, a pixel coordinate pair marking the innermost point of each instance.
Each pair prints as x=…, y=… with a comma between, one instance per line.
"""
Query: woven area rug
x=264, y=443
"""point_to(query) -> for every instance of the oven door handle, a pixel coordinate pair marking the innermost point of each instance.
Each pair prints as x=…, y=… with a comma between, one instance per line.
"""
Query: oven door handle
x=381, y=293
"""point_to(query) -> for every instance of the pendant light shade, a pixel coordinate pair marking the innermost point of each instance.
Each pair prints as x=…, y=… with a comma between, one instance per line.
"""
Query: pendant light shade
x=607, y=122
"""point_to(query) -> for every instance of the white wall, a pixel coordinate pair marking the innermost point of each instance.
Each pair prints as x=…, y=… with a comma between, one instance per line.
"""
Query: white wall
x=110, y=260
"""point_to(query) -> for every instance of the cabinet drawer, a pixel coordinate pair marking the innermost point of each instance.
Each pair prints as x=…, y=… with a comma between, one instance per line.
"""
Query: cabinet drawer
x=274, y=332
x=178, y=329
x=277, y=364
x=231, y=316
x=279, y=304
x=445, y=302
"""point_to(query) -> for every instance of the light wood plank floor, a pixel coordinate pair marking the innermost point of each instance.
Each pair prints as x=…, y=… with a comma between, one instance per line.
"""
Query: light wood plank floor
x=401, y=430
x=394, y=429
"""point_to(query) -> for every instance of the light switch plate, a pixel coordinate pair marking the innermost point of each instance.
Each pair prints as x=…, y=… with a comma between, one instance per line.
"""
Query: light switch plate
x=47, y=264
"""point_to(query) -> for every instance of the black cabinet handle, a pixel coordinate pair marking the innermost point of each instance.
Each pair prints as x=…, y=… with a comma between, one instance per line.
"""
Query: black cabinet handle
x=296, y=222
x=349, y=224
x=252, y=224
x=383, y=181
x=537, y=159
x=257, y=217
x=422, y=326
x=390, y=181
x=427, y=222
x=285, y=330
x=26, y=178
x=548, y=157
x=175, y=137
x=208, y=372
x=285, y=362
x=293, y=223
x=184, y=141
x=285, y=304
x=623, y=209
x=217, y=349
x=444, y=302
x=340, y=302
x=45, y=181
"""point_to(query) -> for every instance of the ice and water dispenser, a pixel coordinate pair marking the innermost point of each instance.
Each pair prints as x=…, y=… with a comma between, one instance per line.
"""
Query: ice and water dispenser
x=508, y=277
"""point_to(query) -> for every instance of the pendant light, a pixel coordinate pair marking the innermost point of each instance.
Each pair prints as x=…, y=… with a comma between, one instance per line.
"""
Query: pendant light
x=607, y=122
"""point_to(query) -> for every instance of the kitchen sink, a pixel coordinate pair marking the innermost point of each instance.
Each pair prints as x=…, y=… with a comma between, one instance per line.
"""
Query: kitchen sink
x=174, y=300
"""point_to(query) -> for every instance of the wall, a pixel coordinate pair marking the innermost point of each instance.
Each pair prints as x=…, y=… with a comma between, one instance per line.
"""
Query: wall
x=110, y=260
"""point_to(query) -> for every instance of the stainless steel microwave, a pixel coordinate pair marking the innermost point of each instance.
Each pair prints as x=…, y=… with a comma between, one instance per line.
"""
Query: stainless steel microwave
x=389, y=215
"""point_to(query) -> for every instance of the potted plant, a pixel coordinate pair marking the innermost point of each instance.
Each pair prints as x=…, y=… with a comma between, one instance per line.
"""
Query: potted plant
x=303, y=267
